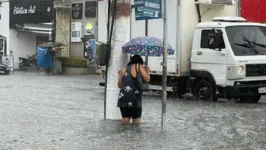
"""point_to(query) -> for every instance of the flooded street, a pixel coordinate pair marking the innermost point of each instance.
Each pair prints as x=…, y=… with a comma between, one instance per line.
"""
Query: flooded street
x=40, y=112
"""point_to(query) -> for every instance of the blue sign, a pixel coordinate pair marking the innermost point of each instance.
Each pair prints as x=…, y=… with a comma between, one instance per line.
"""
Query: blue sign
x=148, y=9
x=139, y=6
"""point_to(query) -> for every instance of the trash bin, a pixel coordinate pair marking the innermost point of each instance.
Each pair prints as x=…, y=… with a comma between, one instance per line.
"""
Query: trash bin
x=102, y=53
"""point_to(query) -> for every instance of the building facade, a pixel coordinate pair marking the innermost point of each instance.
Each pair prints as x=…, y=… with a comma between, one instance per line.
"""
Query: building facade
x=21, y=26
x=83, y=12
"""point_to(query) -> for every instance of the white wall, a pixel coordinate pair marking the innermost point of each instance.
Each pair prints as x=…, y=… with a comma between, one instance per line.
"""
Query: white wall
x=4, y=22
x=189, y=19
x=102, y=20
x=21, y=44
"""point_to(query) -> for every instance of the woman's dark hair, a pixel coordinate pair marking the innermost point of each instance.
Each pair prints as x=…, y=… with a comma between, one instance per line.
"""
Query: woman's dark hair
x=136, y=59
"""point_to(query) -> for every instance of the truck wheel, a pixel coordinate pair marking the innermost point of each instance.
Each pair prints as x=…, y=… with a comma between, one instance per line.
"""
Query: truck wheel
x=204, y=91
x=250, y=99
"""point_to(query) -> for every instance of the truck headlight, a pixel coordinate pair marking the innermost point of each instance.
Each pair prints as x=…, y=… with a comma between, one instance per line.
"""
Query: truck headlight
x=241, y=70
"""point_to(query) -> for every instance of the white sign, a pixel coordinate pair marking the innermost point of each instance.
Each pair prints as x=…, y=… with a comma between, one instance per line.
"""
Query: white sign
x=76, y=31
x=22, y=10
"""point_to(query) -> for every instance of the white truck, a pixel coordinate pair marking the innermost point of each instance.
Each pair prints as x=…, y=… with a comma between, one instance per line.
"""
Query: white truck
x=216, y=56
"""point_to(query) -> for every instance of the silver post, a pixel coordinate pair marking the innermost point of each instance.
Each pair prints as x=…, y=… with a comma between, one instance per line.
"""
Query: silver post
x=164, y=79
x=146, y=34
x=238, y=9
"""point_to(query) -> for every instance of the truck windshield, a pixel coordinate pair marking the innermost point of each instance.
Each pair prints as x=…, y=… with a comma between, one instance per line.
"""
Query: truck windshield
x=247, y=40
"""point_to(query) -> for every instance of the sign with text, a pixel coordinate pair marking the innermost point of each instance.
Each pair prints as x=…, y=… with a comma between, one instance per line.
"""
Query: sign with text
x=90, y=9
x=25, y=11
x=77, y=10
x=148, y=9
x=139, y=5
x=76, y=32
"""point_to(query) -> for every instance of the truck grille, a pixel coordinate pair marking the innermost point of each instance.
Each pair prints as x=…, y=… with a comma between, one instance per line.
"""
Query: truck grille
x=255, y=70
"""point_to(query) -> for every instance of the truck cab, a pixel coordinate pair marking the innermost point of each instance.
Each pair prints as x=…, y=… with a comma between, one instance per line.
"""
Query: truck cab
x=228, y=60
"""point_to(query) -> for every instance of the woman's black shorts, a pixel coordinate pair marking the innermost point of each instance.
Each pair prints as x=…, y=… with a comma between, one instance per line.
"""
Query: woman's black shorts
x=133, y=113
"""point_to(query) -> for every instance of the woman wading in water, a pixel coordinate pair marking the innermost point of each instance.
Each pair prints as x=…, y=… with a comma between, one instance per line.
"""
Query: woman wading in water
x=129, y=98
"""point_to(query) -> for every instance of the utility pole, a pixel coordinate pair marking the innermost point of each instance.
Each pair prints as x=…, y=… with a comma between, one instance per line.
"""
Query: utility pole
x=63, y=10
x=165, y=54
x=118, y=59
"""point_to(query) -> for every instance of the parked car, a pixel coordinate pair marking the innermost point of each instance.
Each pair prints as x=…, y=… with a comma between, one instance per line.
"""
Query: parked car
x=4, y=69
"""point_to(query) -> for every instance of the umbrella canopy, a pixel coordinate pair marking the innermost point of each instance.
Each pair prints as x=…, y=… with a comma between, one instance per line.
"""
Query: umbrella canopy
x=146, y=46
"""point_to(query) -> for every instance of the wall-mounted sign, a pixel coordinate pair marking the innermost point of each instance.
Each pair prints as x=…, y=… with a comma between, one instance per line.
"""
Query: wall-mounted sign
x=76, y=31
x=77, y=10
x=148, y=9
x=21, y=10
x=25, y=11
x=90, y=9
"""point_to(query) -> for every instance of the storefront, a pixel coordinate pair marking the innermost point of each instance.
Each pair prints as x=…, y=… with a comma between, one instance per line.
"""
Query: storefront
x=22, y=22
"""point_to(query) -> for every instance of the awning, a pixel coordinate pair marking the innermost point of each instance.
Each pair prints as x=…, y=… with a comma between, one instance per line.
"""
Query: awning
x=51, y=45
x=217, y=2
x=2, y=37
x=35, y=28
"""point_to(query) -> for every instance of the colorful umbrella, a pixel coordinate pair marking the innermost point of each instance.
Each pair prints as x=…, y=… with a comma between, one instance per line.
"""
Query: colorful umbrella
x=146, y=46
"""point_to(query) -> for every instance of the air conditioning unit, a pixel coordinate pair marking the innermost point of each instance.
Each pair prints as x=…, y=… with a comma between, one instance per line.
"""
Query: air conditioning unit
x=218, y=2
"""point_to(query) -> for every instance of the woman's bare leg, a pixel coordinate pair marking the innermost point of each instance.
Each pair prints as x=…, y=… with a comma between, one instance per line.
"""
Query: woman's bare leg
x=126, y=121
x=137, y=121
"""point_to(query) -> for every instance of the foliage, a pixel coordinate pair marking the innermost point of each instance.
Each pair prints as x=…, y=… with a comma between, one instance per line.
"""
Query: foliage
x=74, y=62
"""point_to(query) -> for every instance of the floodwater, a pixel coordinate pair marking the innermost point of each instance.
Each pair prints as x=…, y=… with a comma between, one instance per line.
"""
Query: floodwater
x=40, y=112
